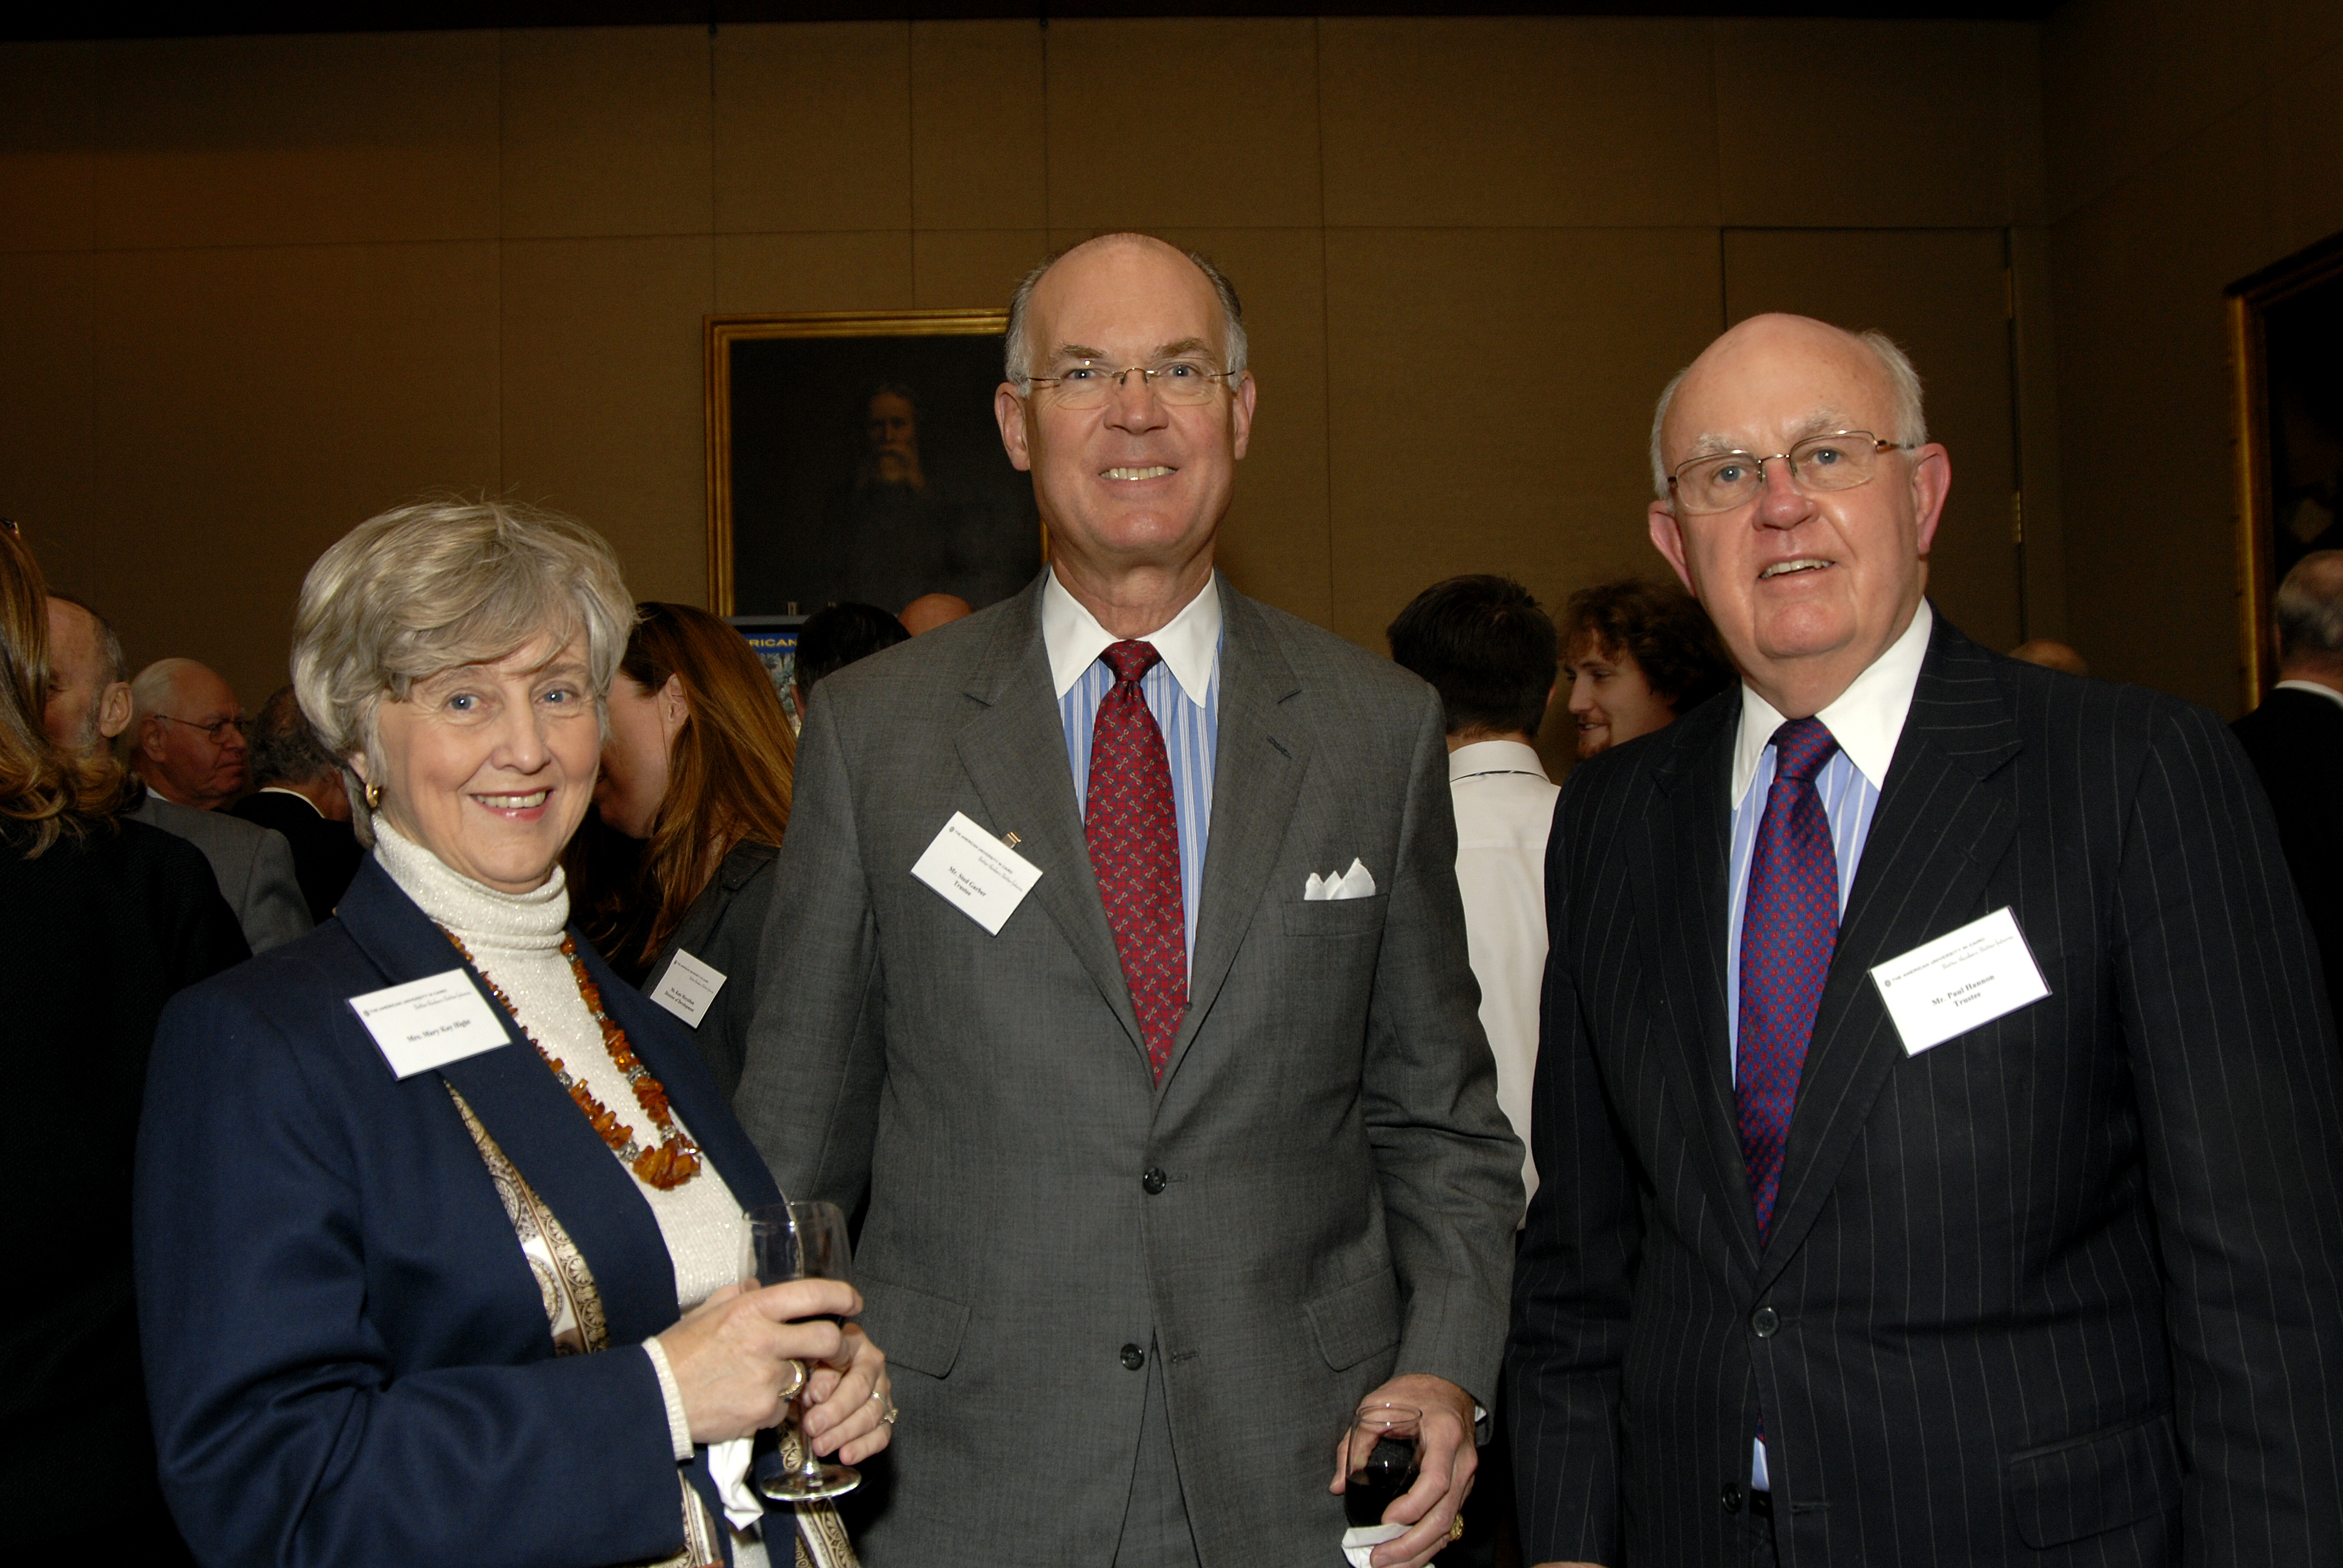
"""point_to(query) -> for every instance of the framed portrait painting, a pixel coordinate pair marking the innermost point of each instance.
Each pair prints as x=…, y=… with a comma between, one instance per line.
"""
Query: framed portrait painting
x=854, y=457
x=2286, y=344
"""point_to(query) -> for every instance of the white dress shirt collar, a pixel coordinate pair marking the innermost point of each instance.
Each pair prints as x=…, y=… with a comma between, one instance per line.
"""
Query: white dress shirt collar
x=1190, y=642
x=1493, y=757
x=2328, y=692
x=279, y=789
x=1866, y=720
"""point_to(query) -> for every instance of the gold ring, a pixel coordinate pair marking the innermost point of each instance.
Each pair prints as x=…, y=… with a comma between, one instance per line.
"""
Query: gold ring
x=799, y=1382
x=1456, y=1528
x=891, y=1414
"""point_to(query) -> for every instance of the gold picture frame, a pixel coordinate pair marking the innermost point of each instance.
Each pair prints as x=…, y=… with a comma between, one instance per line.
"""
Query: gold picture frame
x=2250, y=302
x=732, y=342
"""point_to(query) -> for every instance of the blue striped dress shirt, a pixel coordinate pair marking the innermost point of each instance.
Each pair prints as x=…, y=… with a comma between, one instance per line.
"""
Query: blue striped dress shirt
x=1190, y=719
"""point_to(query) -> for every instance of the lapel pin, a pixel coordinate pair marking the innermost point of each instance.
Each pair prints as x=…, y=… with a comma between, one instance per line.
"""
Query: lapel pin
x=1011, y=839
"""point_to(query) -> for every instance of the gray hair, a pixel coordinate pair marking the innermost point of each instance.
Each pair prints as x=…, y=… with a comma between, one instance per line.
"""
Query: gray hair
x=2309, y=608
x=437, y=585
x=1017, y=354
x=156, y=688
x=1902, y=387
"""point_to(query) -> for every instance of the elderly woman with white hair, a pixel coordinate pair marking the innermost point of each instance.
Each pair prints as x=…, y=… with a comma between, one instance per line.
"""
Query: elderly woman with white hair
x=438, y=1223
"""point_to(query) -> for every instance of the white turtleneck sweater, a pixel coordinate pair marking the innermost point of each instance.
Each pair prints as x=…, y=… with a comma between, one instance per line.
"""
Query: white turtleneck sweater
x=515, y=939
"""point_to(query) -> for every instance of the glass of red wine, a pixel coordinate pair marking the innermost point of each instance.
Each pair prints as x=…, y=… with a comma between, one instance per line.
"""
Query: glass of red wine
x=1382, y=1454
x=801, y=1242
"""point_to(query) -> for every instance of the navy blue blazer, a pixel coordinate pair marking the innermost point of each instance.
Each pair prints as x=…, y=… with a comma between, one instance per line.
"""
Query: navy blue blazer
x=347, y=1357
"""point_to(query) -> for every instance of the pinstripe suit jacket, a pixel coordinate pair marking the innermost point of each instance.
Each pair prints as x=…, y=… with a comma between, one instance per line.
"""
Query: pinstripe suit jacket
x=2064, y=1289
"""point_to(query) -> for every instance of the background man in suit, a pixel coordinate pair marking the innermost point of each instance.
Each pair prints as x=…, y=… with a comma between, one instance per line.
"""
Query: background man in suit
x=2055, y=1284
x=298, y=791
x=2295, y=739
x=1190, y=1158
x=188, y=734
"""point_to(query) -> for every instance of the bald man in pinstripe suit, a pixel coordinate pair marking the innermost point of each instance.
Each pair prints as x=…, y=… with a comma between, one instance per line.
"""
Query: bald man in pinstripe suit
x=1812, y=1282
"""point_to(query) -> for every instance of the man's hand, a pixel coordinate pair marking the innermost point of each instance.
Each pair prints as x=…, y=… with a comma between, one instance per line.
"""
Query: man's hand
x=1444, y=1478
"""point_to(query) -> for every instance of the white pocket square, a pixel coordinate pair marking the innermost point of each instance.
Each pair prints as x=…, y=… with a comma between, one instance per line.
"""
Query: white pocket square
x=1354, y=883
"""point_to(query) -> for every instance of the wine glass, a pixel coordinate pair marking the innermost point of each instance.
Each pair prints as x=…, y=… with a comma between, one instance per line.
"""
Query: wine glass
x=801, y=1242
x=1381, y=1456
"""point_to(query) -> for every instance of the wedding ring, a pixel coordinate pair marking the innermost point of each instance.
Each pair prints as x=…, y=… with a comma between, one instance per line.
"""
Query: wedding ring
x=1456, y=1528
x=891, y=1414
x=799, y=1381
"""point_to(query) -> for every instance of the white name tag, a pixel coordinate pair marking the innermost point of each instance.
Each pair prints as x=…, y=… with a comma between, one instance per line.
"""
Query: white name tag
x=977, y=875
x=1962, y=979
x=429, y=1023
x=687, y=988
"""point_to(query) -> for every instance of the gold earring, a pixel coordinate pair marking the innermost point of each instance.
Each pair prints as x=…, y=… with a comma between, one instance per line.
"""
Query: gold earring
x=373, y=796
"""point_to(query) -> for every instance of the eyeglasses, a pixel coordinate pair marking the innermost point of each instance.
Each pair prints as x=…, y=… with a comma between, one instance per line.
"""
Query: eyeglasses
x=217, y=731
x=1725, y=481
x=1087, y=384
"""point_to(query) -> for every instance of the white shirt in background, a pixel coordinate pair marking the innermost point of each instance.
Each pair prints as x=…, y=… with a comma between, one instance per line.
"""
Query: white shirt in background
x=1505, y=807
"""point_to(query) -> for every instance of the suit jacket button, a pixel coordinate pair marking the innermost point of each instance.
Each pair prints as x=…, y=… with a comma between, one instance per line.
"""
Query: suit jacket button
x=1763, y=1322
x=1133, y=1357
x=1154, y=1180
x=1731, y=1497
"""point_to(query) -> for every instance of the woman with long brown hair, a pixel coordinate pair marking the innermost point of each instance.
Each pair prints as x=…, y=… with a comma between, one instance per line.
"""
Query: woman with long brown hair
x=696, y=772
x=101, y=919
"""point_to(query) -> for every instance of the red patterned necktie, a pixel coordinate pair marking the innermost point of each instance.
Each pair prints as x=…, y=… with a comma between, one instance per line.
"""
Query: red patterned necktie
x=1788, y=928
x=1134, y=841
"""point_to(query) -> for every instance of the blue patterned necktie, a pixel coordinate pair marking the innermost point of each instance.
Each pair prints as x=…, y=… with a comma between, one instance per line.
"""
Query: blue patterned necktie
x=1789, y=928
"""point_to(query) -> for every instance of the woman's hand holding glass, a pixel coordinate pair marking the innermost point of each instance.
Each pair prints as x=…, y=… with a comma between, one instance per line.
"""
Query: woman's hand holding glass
x=741, y=1356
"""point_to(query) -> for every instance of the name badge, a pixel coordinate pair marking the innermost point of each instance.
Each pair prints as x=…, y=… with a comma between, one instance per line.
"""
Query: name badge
x=429, y=1023
x=977, y=875
x=1961, y=979
x=687, y=988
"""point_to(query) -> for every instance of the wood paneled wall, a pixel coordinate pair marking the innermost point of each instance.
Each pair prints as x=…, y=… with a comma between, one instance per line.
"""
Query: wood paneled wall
x=261, y=288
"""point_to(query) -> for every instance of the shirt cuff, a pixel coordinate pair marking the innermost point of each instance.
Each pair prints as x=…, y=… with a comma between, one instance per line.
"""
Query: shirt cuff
x=678, y=1425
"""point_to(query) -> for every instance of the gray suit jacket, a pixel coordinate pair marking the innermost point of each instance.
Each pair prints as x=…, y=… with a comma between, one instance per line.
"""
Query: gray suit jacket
x=253, y=864
x=1320, y=1191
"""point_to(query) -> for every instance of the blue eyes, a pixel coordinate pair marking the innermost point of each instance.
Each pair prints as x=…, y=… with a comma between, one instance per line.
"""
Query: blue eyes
x=479, y=704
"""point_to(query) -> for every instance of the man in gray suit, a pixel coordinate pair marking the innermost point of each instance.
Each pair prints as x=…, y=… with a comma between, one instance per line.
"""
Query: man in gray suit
x=1117, y=960
x=253, y=865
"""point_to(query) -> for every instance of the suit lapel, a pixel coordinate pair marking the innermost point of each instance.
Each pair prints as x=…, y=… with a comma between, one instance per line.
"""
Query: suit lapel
x=1682, y=859
x=541, y=1132
x=1260, y=760
x=1014, y=751
x=1943, y=823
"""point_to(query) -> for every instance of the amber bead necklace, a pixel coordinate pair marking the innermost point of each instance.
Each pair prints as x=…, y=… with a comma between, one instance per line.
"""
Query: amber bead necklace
x=666, y=1165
